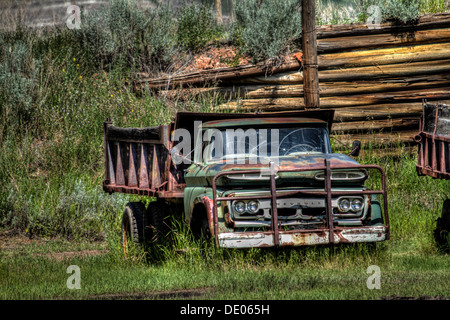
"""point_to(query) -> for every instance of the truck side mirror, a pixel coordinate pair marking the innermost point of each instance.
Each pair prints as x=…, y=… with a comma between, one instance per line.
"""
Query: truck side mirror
x=356, y=148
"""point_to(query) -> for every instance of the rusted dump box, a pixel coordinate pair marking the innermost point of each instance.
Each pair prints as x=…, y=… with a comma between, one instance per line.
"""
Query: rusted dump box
x=136, y=161
x=434, y=142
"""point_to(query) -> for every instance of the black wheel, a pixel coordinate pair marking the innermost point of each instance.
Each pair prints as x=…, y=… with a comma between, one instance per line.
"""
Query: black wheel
x=442, y=231
x=157, y=214
x=134, y=225
x=205, y=231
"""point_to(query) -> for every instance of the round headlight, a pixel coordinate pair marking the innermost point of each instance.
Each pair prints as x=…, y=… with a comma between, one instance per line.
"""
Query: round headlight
x=357, y=205
x=344, y=205
x=239, y=207
x=253, y=206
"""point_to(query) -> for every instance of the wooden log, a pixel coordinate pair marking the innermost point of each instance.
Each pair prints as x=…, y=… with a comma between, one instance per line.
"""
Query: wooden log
x=379, y=139
x=409, y=37
x=376, y=57
x=387, y=71
x=309, y=62
x=413, y=53
x=387, y=34
x=272, y=104
x=385, y=85
x=376, y=125
x=376, y=112
x=326, y=88
x=216, y=75
x=430, y=21
x=353, y=74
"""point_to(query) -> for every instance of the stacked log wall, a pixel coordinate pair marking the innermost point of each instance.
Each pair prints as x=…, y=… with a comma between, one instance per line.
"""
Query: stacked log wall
x=374, y=79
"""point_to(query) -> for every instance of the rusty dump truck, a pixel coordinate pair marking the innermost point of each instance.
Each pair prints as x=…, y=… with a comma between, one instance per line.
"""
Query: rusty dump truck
x=245, y=180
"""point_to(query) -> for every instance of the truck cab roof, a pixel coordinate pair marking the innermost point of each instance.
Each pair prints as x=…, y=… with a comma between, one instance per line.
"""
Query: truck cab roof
x=186, y=120
x=246, y=122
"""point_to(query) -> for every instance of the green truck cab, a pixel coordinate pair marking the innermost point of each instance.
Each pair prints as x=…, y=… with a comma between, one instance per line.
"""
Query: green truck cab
x=246, y=180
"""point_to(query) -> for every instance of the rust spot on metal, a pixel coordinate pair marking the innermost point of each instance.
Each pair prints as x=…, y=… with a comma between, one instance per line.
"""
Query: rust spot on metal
x=208, y=203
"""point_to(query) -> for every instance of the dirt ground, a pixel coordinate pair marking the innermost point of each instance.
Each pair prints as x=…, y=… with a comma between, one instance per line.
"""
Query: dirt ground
x=11, y=241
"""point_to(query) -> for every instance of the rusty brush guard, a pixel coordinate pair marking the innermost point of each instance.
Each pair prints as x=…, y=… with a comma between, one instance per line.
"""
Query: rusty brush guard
x=328, y=193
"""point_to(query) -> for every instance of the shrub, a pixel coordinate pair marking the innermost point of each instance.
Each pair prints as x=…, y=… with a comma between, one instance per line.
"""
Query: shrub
x=265, y=29
x=196, y=27
x=401, y=11
x=126, y=35
x=18, y=81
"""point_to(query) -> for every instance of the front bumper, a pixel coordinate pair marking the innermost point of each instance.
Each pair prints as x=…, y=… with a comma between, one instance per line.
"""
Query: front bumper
x=306, y=238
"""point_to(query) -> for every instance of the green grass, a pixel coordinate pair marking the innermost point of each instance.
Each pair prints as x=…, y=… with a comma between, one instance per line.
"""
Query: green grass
x=308, y=273
x=410, y=264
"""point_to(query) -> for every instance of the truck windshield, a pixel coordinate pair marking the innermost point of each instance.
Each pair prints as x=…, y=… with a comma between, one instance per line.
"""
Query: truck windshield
x=232, y=143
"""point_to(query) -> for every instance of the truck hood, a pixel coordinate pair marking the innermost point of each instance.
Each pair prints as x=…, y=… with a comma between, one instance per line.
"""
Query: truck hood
x=261, y=176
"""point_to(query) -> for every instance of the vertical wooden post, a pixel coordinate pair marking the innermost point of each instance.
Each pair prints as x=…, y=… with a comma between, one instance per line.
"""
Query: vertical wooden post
x=219, y=11
x=309, y=48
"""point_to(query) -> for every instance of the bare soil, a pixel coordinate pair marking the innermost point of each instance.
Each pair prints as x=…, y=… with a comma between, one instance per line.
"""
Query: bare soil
x=167, y=294
x=13, y=241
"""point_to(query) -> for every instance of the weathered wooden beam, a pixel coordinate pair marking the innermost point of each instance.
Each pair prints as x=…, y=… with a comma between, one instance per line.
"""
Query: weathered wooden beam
x=376, y=41
x=309, y=62
x=272, y=104
x=385, y=56
x=215, y=75
x=376, y=125
x=353, y=74
x=326, y=88
x=377, y=112
x=376, y=58
x=430, y=21
x=380, y=139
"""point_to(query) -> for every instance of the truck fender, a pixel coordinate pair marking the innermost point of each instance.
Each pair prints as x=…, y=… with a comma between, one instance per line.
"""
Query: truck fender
x=207, y=203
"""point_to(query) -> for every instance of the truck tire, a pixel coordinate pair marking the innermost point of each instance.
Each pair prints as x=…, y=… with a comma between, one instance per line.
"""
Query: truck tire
x=134, y=225
x=442, y=231
x=157, y=214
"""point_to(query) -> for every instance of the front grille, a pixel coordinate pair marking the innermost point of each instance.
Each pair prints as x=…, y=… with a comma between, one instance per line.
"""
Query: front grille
x=314, y=212
x=308, y=209
x=285, y=212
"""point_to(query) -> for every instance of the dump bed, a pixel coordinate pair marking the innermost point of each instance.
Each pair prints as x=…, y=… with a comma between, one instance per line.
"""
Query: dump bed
x=137, y=161
x=434, y=141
